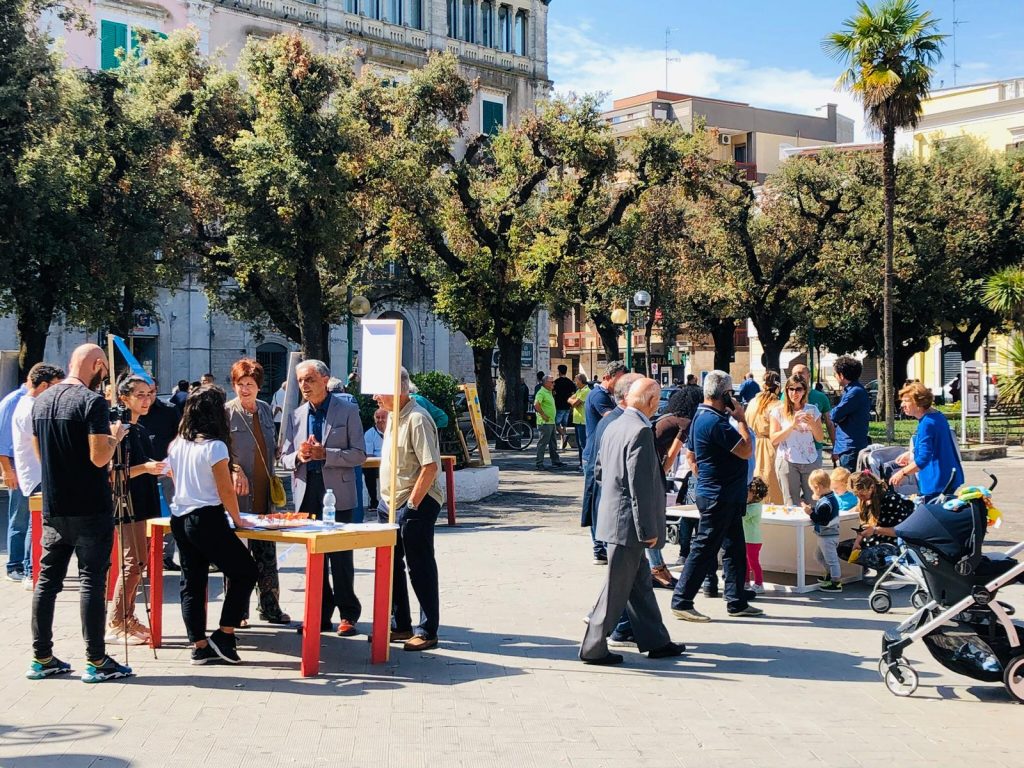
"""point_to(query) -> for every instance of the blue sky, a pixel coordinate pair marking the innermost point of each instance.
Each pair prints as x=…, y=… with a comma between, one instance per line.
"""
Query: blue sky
x=765, y=52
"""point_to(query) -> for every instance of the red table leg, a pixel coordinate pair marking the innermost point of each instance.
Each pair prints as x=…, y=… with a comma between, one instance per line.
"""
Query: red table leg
x=380, y=647
x=449, y=482
x=37, y=543
x=311, y=619
x=114, y=571
x=156, y=587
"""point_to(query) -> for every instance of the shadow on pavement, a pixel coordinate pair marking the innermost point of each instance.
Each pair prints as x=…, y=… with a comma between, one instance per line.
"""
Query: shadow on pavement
x=52, y=733
x=65, y=760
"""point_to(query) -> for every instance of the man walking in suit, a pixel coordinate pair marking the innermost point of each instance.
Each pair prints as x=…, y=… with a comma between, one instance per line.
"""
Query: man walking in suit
x=322, y=447
x=631, y=517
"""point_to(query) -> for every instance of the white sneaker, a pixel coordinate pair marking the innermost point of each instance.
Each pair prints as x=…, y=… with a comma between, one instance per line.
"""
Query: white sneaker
x=757, y=589
x=27, y=584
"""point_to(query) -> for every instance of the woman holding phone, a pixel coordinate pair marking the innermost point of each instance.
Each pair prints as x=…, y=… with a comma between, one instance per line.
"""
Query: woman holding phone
x=204, y=499
x=795, y=425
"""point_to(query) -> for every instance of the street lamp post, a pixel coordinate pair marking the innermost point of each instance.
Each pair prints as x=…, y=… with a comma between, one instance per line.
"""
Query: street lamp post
x=358, y=306
x=642, y=300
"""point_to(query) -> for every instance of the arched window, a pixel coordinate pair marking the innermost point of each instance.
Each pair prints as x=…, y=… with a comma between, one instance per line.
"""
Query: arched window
x=521, y=40
x=408, y=351
x=469, y=21
x=416, y=14
x=505, y=28
x=487, y=24
x=274, y=359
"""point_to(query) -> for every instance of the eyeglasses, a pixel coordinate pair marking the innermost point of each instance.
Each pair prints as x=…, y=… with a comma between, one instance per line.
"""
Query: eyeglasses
x=794, y=389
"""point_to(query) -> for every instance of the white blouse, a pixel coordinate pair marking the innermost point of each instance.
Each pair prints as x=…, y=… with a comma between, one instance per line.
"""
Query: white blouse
x=798, y=447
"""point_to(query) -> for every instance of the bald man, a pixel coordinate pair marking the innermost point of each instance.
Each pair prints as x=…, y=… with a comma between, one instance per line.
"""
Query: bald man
x=631, y=517
x=75, y=442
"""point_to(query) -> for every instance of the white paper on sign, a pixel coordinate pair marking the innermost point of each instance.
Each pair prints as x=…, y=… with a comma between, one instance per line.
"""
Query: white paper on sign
x=380, y=356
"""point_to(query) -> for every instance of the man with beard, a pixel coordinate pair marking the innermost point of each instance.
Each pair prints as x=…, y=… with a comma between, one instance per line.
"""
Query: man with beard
x=75, y=442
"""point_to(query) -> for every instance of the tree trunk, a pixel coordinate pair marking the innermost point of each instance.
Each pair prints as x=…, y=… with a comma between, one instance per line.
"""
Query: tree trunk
x=889, y=204
x=724, y=335
x=309, y=309
x=609, y=333
x=33, y=322
x=968, y=342
x=484, y=381
x=510, y=357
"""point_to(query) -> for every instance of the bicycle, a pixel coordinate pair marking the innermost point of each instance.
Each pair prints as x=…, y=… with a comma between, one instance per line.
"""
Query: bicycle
x=518, y=435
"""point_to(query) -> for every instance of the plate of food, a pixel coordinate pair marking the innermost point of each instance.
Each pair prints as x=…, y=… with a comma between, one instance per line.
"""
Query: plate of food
x=281, y=520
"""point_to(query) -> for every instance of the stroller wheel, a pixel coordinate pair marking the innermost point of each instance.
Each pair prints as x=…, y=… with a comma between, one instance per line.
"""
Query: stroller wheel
x=1013, y=678
x=920, y=598
x=901, y=679
x=880, y=602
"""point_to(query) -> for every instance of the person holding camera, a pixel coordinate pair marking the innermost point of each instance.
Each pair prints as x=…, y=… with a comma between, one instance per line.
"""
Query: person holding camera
x=75, y=441
x=135, y=396
x=720, y=452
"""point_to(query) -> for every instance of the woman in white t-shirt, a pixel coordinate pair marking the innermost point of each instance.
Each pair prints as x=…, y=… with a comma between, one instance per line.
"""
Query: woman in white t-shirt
x=204, y=497
x=795, y=425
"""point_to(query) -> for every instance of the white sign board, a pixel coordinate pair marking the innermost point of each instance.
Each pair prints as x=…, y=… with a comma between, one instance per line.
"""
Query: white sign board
x=972, y=391
x=654, y=369
x=380, y=356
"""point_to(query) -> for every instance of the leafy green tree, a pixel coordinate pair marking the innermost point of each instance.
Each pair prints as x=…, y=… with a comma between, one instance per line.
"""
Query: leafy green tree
x=519, y=210
x=890, y=51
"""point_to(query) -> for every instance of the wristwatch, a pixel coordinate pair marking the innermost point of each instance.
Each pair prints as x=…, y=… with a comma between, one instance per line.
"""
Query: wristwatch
x=409, y=506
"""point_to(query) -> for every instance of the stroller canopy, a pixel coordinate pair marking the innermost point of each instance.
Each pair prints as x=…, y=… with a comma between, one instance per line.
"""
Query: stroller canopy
x=948, y=531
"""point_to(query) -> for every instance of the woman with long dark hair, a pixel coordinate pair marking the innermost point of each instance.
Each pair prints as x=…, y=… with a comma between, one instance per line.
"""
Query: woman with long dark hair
x=204, y=498
x=879, y=506
x=795, y=426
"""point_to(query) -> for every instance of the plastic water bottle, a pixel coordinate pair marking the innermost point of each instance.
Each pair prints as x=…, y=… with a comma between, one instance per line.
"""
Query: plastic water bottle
x=329, y=510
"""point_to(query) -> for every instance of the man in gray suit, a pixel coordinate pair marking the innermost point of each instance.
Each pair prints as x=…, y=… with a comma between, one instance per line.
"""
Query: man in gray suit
x=631, y=517
x=323, y=445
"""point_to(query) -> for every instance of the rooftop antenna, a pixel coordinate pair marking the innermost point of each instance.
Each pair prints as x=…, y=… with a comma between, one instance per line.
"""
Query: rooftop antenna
x=668, y=59
x=956, y=23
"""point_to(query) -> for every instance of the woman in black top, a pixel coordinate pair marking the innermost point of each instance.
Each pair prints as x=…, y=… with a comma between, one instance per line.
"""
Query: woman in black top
x=879, y=507
x=135, y=394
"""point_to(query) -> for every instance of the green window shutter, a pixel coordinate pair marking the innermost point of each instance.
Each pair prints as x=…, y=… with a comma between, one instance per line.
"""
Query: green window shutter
x=112, y=36
x=494, y=117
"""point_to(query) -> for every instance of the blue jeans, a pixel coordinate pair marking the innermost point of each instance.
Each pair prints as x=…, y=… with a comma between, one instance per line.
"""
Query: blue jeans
x=581, y=439
x=848, y=460
x=19, y=533
x=720, y=527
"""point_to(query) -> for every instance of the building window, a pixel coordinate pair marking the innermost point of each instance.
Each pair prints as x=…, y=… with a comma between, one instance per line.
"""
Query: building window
x=416, y=14
x=395, y=15
x=453, y=18
x=375, y=9
x=469, y=21
x=352, y=6
x=116, y=36
x=487, y=24
x=521, y=34
x=505, y=28
x=492, y=117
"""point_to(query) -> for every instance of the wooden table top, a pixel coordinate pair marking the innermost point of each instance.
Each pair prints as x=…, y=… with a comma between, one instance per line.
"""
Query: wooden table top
x=317, y=540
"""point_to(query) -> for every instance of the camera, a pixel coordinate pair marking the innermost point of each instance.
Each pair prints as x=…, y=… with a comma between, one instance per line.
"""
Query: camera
x=120, y=413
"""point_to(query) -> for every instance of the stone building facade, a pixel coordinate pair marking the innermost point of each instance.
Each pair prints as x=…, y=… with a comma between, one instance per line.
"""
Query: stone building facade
x=502, y=48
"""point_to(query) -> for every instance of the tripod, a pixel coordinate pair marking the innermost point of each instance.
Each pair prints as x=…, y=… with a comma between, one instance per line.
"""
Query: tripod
x=124, y=512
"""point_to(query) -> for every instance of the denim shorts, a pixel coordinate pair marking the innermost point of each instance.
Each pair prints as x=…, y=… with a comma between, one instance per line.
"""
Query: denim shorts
x=563, y=418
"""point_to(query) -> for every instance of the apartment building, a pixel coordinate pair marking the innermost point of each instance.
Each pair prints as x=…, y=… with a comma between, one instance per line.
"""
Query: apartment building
x=751, y=137
x=991, y=111
x=501, y=45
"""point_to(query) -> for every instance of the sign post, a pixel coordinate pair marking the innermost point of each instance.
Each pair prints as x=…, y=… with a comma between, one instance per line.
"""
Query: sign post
x=972, y=402
x=476, y=417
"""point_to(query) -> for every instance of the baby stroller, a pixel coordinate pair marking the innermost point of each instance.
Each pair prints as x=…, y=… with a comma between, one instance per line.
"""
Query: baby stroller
x=963, y=626
x=903, y=569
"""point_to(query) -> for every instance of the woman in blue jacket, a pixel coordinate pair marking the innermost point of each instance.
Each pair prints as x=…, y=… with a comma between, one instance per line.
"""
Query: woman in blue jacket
x=934, y=458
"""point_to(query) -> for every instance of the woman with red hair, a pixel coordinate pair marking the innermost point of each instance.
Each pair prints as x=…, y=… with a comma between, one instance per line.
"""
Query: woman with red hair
x=253, y=451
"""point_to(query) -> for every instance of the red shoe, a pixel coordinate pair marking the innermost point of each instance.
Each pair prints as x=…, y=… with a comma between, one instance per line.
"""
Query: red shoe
x=346, y=628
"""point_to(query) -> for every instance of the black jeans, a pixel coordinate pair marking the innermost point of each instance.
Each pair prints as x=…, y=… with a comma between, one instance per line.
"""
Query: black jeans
x=90, y=538
x=721, y=527
x=372, y=479
x=339, y=569
x=415, y=545
x=203, y=536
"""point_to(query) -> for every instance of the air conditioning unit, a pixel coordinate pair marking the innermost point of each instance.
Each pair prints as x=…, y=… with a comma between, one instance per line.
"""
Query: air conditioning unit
x=724, y=138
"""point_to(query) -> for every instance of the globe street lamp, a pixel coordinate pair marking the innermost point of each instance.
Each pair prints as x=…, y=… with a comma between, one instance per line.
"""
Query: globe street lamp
x=358, y=306
x=642, y=300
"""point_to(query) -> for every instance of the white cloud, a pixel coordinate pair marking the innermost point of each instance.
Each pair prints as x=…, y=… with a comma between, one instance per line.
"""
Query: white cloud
x=578, y=63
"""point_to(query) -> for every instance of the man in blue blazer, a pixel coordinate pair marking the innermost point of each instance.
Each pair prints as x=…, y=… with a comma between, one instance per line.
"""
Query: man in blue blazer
x=322, y=447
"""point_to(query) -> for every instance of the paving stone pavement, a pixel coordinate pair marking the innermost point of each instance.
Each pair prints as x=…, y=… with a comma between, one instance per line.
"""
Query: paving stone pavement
x=798, y=687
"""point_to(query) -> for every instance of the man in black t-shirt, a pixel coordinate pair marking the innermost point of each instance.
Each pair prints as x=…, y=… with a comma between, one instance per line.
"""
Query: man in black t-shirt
x=563, y=390
x=75, y=442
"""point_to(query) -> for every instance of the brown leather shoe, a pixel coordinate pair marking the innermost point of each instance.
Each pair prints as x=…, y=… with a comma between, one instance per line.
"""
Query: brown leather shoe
x=417, y=643
x=662, y=578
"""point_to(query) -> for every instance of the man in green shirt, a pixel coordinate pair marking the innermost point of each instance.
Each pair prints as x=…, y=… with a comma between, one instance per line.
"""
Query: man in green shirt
x=820, y=401
x=544, y=405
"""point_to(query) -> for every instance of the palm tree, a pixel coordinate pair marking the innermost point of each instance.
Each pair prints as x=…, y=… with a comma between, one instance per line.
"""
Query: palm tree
x=889, y=52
